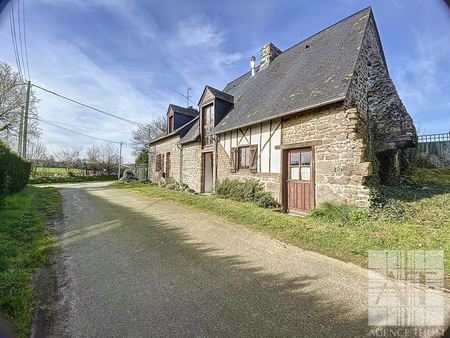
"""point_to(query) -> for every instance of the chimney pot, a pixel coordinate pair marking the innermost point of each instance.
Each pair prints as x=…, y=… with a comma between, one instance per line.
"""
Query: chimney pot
x=253, y=65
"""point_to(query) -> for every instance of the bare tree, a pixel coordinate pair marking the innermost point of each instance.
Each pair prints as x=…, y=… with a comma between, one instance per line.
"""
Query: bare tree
x=109, y=156
x=12, y=102
x=37, y=154
x=69, y=156
x=93, y=159
x=143, y=134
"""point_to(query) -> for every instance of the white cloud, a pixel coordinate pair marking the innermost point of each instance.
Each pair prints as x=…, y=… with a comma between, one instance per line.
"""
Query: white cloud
x=198, y=32
x=118, y=78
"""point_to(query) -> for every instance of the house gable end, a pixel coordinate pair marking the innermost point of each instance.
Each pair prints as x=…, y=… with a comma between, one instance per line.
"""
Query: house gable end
x=373, y=92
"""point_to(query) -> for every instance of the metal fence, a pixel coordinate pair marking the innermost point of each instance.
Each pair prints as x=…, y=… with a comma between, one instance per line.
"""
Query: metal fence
x=434, y=138
x=435, y=148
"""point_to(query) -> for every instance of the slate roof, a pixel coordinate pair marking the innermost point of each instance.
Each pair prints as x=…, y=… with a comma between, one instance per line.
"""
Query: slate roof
x=312, y=73
x=183, y=110
x=218, y=93
x=182, y=131
x=192, y=134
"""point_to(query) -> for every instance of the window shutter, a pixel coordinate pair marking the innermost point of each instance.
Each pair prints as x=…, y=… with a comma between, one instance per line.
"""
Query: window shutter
x=233, y=160
x=253, y=158
x=158, y=163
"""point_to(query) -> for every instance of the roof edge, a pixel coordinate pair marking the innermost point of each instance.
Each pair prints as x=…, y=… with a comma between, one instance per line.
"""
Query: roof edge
x=325, y=103
x=174, y=133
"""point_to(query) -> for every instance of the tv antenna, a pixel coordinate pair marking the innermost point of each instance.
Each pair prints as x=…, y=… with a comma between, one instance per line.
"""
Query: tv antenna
x=187, y=96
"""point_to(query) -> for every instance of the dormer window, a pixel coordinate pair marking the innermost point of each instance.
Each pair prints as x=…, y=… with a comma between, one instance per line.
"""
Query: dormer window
x=207, y=124
x=170, y=124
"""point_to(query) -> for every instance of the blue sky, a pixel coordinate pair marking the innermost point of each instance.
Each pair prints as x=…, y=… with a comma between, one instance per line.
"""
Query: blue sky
x=129, y=56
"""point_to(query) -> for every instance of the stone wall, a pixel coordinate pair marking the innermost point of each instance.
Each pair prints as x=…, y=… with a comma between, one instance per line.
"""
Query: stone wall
x=372, y=91
x=270, y=181
x=341, y=169
x=168, y=145
x=191, y=166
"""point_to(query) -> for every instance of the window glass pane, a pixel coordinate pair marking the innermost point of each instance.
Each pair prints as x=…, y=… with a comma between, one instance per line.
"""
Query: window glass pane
x=295, y=158
x=306, y=158
x=244, y=157
x=306, y=173
x=295, y=173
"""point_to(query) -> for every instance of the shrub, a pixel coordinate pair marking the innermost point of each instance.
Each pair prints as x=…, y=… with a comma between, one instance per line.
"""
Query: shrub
x=171, y=184
x=14, y=171
x=341, y=214
x=245, y=191
x=128, y=175
x=265, y=199
x=421, y=161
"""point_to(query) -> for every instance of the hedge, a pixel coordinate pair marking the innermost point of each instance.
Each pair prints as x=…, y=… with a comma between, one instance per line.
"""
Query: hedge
x=14, y=171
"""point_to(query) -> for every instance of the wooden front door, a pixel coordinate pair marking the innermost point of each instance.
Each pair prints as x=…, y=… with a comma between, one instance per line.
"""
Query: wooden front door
x=300, y=180
x=207, y=173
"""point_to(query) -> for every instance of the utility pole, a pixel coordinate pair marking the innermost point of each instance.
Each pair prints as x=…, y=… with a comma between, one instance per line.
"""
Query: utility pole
x=19, y=143
x=25, y=121
x=120, y=161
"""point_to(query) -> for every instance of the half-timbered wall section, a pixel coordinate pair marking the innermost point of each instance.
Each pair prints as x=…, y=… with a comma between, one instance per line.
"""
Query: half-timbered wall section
x=266, y=137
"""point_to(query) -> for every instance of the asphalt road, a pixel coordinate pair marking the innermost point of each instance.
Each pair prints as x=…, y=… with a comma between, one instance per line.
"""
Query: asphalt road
x=135, y=267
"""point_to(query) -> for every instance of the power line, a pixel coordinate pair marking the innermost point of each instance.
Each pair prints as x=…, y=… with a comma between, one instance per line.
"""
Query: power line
x=20, y=36
x=84, y=127
x=25, y=39
x=13, y=37
x=88, y=106
x=187, y=96
x=76, y=132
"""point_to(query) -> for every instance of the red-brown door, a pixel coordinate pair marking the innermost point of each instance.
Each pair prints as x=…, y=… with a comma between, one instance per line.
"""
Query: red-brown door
x=300, y=182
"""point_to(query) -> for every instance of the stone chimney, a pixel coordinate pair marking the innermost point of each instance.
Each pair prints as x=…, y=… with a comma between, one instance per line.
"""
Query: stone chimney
x=268, y=53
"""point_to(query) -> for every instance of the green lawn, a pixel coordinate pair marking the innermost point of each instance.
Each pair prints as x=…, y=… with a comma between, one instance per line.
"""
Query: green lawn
x=49, y=170
x=70, y=179
x=416, y=215
x=25, y=244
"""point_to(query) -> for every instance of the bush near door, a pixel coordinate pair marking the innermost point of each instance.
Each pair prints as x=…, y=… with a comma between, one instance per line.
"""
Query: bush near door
x=245, y=191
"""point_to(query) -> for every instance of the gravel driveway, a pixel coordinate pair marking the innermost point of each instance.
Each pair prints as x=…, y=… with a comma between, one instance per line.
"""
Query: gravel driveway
x=135, y=267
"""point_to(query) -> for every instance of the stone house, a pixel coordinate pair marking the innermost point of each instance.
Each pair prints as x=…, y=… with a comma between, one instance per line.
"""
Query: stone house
x=320, y=121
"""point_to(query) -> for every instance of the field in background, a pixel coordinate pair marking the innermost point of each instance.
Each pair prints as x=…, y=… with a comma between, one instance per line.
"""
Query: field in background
x=47, y=175
x=70, y=179
x=43, y=170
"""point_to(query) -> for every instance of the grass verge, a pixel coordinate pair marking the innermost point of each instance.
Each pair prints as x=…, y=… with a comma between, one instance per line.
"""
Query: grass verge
x=25, y=244
x=70, y=179
x=417, y=218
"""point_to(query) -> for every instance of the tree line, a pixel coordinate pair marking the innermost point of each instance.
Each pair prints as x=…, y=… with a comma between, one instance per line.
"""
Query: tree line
x=101, y=158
